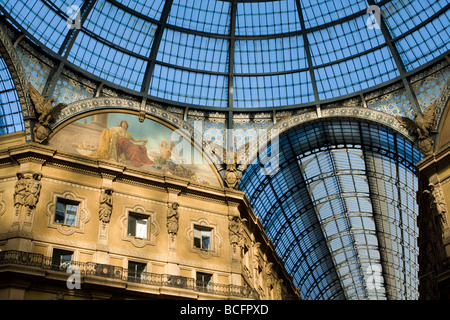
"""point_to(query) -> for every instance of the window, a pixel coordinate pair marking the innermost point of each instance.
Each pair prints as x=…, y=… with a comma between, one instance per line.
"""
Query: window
x=202, y=238
x=66, y=211
x=61, y=259
x=136, y=271
x=203, y=280
x=137, y=225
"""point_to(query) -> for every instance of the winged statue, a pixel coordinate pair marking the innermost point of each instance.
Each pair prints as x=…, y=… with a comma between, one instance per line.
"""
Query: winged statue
x=234, y=161
x=420, y=127
x=45, y=110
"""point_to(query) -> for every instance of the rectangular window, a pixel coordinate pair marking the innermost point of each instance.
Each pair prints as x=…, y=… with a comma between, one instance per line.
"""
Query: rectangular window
x=203, y=280
x=202, y=238
x=61, y=259
x=66, y=211
x=136, y=271
x=137, y=225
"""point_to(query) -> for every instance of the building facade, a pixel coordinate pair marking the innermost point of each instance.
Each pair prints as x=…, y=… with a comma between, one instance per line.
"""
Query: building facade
x=224, y=150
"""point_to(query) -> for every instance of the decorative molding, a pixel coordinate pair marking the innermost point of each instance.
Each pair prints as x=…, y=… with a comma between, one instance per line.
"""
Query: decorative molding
x=152, y=226
x=107, y=103
x=83, y=214
x=441, y=103
x=216, y=239
x=2, y=204
x=17, y=71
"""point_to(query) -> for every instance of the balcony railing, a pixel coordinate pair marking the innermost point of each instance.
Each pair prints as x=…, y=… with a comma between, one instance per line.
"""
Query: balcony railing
x=119, y=273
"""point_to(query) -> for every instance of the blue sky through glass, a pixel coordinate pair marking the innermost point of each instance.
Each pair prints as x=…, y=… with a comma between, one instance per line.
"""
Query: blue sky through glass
x=270, y=63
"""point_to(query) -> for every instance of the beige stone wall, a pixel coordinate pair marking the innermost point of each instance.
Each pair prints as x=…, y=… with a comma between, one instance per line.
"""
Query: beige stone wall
x=83, y=179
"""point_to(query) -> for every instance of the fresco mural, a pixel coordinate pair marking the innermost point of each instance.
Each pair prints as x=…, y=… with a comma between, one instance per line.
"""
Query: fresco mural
x=146, y=145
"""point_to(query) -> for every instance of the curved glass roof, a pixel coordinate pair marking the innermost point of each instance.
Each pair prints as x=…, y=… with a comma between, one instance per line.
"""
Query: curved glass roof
x=238, y=55
x=341, y=210
x=11, y=118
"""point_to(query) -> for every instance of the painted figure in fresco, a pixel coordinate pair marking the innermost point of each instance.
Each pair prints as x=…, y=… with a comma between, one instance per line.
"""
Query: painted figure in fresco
x=165, y=152
x=118, y=144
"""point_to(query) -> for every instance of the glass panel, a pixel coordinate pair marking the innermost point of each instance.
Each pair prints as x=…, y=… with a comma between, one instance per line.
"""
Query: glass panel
x=60, y=212
x=206, y=239
x=11, y=119
x=71, y=214
x=266, y=17
x=201, y=15
x=131, y=225
x=141, y=228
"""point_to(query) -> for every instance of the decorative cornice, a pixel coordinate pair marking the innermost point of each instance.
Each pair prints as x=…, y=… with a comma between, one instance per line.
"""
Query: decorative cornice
x=358, y=113
x=41, y=153
x=17, y=71
x=441, y=103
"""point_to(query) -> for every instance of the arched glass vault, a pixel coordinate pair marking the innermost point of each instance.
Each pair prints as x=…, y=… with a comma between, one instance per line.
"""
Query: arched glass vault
x=237, y=54
x=341, y=210
x=11, y=118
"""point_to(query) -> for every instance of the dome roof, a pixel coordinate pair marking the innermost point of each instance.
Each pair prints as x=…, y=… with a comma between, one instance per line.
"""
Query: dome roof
x=238, y=55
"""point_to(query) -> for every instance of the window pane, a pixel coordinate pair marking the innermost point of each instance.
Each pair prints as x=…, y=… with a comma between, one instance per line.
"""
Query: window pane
x=136, y=270
x=203, y=279
x=71, y=214
x=131, y=225
x=66, y=212
x=59, y=213
x=141, y=228
x=206, y=239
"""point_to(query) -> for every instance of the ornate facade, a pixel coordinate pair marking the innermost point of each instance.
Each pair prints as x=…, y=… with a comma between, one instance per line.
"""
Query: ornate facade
x=111, y=188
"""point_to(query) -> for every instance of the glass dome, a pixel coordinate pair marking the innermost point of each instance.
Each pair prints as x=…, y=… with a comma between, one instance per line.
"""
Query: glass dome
x=238, y=55
x=328, y=210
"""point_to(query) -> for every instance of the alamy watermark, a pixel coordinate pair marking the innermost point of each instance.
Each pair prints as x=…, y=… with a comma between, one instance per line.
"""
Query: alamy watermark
x=74, y=280
x=374, y=19
x=260, y=144
x=375, y=278
x=74, y=19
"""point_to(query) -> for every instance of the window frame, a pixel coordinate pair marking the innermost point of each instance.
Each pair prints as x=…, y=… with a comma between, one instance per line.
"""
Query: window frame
x=66, y=202
x=138, y=217
x=136, y=275
x=202, y=230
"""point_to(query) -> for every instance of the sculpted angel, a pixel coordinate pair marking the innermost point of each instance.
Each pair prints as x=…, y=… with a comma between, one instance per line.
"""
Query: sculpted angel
x=45, y=111
x=420, y=127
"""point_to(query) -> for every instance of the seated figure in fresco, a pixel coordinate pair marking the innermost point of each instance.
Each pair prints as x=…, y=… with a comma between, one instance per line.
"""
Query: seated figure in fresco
x=117, y=144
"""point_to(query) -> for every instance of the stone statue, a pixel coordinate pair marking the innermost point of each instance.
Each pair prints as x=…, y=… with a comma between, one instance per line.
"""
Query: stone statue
x=420, y=127
x=437, y=203
x=105, y=205
x=27, y=190
x=236, y=233
x=45, y=111
x=20, y=190
x=172, y=219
